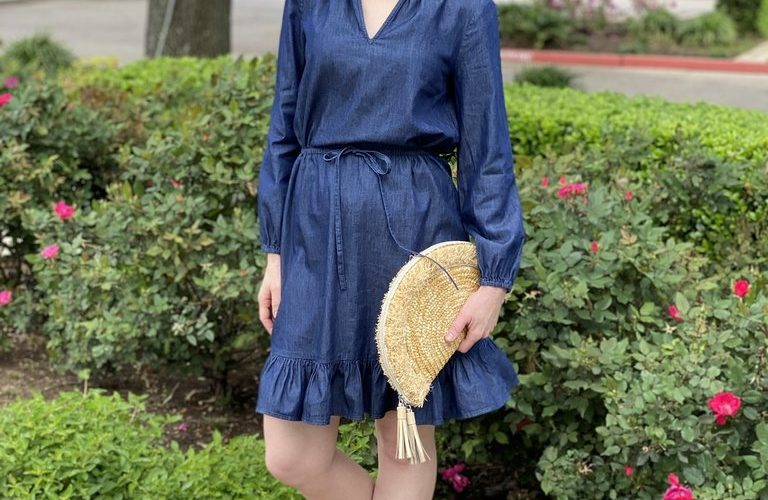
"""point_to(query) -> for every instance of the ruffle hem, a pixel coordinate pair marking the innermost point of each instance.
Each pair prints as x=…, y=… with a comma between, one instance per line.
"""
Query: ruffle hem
x=472, y=383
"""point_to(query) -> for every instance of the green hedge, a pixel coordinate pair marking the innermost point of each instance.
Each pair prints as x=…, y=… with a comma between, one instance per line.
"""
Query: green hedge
x=542, y=119
x=103, y=446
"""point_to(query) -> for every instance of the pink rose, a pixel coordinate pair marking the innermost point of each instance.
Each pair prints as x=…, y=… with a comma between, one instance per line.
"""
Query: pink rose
x=579, y=188
x=562, y=181
x=63, y=211
x=5, y=297
x=5, y=98
x=724, y=404
x=11, y=82
x=628, y=196
x=545, y=182
x=676, y=491
x=572, y=189
x=595, y=247
x=629, y=470
x=455, y=478
x=50, y=252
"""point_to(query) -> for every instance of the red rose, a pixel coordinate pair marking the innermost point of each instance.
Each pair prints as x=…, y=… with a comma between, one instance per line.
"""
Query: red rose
x=724, y=404
x=523, y=423
x=741, y=288
x=674, y=312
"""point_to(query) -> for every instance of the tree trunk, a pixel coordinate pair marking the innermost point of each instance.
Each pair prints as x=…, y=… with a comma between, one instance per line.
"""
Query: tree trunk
x=188, y=28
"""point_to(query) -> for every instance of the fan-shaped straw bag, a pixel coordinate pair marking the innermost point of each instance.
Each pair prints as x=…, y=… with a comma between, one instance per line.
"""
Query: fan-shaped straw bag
x=422, y=301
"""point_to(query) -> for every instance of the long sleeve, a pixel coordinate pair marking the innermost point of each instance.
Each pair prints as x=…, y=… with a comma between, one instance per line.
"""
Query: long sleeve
x=282, y=146
x=488, y=195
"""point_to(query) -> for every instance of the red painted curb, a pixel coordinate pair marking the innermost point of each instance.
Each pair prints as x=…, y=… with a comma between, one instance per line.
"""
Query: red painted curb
x=632, y=60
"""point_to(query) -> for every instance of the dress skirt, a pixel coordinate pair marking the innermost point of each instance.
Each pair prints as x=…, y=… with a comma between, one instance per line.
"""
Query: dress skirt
x=350, y=217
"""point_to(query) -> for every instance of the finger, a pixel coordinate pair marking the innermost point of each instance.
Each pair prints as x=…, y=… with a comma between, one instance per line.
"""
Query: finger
x=469, y=341
x=455, y=329
x=275, y=305
x=265, y=312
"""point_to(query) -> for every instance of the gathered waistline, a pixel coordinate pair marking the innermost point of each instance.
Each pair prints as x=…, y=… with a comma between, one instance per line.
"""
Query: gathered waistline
x=388, y=150
x=379, y=161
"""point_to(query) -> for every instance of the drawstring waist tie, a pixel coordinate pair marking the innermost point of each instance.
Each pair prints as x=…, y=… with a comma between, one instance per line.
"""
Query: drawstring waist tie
x=380, y=163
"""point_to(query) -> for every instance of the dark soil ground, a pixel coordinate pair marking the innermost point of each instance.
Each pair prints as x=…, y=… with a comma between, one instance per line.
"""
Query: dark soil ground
x=24, y=369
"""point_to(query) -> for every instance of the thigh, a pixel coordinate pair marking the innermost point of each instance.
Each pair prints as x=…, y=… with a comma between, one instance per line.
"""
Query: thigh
x=300, y=443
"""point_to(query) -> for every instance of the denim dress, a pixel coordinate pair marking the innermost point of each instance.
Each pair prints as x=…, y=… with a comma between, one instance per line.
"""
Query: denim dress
x=354, y=182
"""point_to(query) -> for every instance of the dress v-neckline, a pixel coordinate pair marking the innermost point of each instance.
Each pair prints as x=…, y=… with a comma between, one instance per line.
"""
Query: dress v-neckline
x=387, y=20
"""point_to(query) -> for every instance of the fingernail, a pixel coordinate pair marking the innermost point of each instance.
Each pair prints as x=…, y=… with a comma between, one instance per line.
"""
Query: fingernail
x=448, y=337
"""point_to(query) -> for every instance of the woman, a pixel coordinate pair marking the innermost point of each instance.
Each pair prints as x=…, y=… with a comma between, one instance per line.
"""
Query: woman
x=369, y=95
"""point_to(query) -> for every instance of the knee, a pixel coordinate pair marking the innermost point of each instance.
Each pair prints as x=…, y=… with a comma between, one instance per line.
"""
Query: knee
x=296, y=466
x=386, y=437
x=386, y=440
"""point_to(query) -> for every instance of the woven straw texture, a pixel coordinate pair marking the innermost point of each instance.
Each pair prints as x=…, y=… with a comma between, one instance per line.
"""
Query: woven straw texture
x=419, y=306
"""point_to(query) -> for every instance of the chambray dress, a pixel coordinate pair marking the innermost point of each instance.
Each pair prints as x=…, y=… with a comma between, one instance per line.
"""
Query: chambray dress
x=354, y=182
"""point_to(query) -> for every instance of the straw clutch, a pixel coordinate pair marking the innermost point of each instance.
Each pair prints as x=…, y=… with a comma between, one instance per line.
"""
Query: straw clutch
x=422, y=301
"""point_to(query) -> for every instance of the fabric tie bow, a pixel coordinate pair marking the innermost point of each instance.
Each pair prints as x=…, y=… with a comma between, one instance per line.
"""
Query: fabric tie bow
x=371, y=158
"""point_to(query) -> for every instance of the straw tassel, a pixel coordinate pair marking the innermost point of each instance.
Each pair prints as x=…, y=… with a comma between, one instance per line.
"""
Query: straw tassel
x=408, y=442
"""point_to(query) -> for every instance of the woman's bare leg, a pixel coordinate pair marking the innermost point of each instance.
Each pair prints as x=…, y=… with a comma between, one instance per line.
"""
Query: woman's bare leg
x=305, y=457
x=398, y=479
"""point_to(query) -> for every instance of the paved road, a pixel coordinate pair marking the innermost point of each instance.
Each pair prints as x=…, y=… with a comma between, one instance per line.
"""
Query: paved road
x=116, y=27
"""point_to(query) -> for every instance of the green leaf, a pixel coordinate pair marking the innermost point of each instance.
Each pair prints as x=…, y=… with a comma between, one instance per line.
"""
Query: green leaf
x=611, y=450
x=575, y=338
x=682, y=303
x=693, y=475
x=687, y=434
x=762, y=433
x=647, y=309
x=548, y=411
x=751, y=413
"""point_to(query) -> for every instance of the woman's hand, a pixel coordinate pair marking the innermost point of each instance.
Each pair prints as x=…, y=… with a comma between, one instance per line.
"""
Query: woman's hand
x=269, y=293
x=480, y=313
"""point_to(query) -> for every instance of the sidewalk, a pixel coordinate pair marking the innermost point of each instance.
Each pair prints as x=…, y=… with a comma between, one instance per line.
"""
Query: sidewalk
x=756, y=54
x=748, y=91
x=116, y=27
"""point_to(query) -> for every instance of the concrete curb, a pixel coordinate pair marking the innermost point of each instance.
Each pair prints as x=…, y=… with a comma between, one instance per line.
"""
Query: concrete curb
x=632, y=60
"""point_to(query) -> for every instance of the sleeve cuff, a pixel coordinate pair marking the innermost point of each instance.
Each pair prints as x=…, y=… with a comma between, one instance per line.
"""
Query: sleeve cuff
x=270, y=248
x=504, y=283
